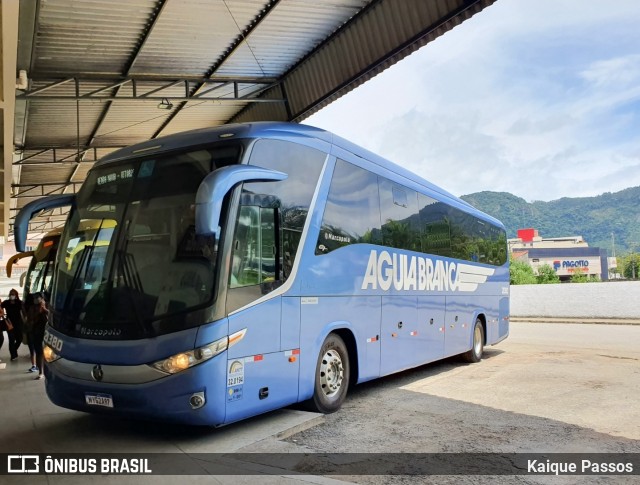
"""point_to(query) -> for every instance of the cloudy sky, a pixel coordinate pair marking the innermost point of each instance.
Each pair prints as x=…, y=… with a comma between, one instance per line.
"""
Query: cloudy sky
x=537, y=98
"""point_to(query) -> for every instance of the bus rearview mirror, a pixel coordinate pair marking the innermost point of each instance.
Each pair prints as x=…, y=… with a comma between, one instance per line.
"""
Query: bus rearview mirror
x=21, y=226
x=217, y=184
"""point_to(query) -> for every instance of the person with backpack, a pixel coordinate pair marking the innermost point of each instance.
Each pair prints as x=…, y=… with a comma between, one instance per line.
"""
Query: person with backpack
x=37, y=317
x=14, y=321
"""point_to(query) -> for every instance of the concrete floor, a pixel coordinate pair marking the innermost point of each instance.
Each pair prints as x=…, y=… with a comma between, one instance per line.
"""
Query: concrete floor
x=31, y=424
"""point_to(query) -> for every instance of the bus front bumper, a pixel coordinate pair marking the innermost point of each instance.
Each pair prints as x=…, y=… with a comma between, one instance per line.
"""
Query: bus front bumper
x=169, y=398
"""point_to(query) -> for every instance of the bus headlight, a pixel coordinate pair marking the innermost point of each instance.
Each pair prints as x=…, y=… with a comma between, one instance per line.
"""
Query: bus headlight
x=184, y=360
x=48, y=354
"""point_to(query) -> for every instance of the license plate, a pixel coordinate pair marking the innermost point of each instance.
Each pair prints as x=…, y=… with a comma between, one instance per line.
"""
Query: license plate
x=104, y=400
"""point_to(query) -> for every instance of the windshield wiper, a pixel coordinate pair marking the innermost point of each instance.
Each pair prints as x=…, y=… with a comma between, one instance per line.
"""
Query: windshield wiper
x=132, y=280
x=84, y=260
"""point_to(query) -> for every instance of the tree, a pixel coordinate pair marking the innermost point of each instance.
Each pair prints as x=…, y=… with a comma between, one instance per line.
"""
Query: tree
x=547, y=275
x=629, y=265
x=521, y=273
x=579, y=277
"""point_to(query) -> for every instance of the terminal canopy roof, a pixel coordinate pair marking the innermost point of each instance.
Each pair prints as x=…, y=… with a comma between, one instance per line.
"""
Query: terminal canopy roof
x=106, y=74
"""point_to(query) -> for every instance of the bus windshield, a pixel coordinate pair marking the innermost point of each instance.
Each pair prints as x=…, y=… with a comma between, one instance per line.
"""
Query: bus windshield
x=130, y=264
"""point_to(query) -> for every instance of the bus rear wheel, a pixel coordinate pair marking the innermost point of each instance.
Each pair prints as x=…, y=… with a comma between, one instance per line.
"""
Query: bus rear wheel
x=332, y=376
x=477, y=347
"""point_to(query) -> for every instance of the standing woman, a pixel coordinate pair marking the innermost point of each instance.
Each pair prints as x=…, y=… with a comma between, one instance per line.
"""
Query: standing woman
x=14, y=312
x=37, y=318
x=3, y=325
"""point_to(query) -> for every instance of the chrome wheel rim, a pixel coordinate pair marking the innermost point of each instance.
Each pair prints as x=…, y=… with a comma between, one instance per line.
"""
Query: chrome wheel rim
x=331, y=373
x=477, y=340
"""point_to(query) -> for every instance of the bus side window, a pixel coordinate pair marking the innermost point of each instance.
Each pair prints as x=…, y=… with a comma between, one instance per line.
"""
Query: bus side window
x=256, y=256
x=399, y=214
x=352, y=212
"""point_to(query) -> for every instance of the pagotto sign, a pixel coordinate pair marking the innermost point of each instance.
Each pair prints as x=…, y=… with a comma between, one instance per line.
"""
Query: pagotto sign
x=572, y=265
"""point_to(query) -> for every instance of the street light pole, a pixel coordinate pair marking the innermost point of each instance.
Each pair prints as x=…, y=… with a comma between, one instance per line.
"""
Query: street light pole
x=613, y=245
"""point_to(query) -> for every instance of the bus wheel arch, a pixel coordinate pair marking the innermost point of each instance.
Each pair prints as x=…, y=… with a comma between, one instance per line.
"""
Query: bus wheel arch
x=334, y=372
x=350, y=341
x=483, y=320
x=478, y=340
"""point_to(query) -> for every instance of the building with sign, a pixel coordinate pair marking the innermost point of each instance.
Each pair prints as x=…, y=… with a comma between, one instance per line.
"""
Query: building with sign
x=566, y=255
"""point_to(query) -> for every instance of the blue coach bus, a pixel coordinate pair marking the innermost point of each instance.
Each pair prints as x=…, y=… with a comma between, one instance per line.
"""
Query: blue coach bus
x=235, y=270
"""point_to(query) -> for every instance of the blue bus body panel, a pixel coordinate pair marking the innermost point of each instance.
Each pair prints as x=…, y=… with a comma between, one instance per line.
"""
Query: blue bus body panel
x=269, y=381
x=211, y=332
x=344, y=272
x=290, y=325
x=400, y=346
x=503, y=320
x=321, y=315
x=263, y=367
x=263, y=324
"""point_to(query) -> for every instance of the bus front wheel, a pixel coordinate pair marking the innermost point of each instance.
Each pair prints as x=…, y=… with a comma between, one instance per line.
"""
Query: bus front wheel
x=332, y=376
x=477, y=347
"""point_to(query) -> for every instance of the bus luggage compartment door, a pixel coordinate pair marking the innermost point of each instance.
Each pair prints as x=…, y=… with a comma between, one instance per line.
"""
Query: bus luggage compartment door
x=400, y=336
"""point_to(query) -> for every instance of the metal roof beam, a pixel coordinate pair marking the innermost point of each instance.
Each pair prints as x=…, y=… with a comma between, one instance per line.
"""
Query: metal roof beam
x=166, y=86
x=58, y=211
x=36, y=227
x=55, y=155
x=192, y=90
x=59, y=186
x=42, y=89
x=42, y=184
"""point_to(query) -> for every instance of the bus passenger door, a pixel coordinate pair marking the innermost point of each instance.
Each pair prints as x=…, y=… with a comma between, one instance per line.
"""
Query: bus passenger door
x=431, y=317
x=260, y=375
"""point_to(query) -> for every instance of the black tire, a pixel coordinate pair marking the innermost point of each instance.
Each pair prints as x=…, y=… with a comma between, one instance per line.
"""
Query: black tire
x=477, y=344
x=332, y=376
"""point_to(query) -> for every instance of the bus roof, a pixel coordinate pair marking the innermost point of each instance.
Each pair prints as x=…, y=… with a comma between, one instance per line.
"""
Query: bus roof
x=275, y=130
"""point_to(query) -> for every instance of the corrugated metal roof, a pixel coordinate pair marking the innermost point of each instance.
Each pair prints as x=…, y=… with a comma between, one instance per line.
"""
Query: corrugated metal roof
x=54, y=123
x=89, y=36
x=189, y=37
x=316, y=50
x=286, y=35
x=383, y=34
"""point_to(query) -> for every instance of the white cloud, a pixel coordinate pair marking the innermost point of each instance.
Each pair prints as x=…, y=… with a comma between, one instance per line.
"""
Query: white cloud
x=541, y=99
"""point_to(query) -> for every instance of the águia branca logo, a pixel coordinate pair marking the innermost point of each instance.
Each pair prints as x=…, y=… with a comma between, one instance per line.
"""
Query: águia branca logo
x=403, y=272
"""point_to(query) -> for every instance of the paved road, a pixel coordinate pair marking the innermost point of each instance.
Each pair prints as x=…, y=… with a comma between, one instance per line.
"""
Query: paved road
x=548, y=388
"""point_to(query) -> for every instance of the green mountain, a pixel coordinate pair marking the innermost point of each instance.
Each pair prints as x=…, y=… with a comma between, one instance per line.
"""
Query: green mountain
x=594, y=218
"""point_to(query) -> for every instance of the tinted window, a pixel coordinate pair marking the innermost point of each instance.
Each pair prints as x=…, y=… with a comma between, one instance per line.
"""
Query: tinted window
x=399, y=214
x=451, y=232
x=352, y=213
x=407, y=220
x=271, y=218
x=476, y=240
x=435, y=235
x=131, y=240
